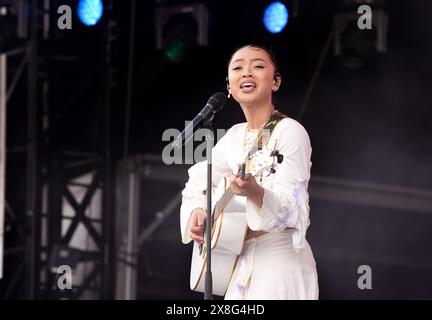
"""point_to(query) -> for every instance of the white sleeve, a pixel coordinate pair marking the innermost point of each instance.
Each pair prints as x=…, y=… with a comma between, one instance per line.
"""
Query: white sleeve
x=194, y=193
x=286, y=200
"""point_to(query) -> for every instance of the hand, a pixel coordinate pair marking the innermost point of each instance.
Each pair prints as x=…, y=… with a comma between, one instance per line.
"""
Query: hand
x=247, y=187
x=197, y=225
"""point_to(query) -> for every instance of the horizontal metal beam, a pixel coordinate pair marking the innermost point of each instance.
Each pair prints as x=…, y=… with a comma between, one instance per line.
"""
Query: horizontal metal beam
x=324, y=188
x=370, y=194
x=15, y=51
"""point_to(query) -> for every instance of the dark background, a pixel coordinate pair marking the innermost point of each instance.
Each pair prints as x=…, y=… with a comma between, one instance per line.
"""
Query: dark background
x=371, y=125
x=367, y=125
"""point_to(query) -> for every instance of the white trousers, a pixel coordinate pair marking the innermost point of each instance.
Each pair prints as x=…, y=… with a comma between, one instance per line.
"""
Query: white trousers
x=270, y=269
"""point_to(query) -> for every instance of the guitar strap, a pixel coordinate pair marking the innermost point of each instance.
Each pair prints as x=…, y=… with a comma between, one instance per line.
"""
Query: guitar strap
x=266, y=131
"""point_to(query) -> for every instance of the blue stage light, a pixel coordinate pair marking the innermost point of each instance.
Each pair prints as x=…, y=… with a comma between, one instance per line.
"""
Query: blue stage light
x=275, y=17
x=90, y=11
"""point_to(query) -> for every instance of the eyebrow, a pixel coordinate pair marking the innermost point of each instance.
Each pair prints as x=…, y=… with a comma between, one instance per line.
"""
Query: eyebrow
x=256, y=59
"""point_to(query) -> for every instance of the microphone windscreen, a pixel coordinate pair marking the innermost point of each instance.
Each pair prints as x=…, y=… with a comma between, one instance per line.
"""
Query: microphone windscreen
x=217, y=101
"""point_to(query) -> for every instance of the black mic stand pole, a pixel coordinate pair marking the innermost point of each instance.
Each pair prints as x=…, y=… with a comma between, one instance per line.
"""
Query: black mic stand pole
x=208, y=288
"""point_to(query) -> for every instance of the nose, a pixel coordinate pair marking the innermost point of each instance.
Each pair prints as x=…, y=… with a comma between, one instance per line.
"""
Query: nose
x=246, y=73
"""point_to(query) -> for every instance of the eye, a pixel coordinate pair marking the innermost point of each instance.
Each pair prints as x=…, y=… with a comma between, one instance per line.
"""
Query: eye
x=259, y=67
x=237, y=68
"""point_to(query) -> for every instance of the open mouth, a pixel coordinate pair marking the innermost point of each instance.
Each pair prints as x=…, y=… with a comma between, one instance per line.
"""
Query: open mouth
x=247, y=85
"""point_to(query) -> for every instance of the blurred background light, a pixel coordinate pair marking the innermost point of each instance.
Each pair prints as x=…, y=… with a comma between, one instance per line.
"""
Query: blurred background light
x=90, y=11
x=180, y=29
x=275, y=17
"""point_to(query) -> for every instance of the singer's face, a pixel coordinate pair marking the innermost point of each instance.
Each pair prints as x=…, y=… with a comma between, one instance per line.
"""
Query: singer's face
x=251, y=76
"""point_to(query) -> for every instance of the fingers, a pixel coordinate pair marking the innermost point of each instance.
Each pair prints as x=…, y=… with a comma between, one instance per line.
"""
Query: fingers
x=196, y=234
x=237, y=189
x=239, y=182
x=196, y=238
x=197, y=230
x=236, y=185
x=197, y=225
x=242, y=186
x=201, y=219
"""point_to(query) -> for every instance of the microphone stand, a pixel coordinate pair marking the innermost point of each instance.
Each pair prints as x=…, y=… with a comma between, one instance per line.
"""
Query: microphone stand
x=208, y=288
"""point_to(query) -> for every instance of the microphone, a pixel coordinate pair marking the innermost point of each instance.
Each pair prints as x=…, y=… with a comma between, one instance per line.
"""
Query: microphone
x=214, y=104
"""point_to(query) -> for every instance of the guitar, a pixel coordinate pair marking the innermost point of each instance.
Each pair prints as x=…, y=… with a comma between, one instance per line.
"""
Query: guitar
x=229, y=227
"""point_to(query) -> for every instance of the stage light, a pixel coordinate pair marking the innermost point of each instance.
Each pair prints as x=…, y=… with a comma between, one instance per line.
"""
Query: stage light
x=174, y=50
x=90, y=11
x=275, y=17
x=180, y=28
x=357, y=46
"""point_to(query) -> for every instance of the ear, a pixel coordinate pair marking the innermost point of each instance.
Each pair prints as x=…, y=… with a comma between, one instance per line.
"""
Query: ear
x=276, y=82
x=227, y=83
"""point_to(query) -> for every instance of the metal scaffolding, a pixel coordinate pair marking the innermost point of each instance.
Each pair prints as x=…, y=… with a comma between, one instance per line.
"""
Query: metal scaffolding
x=68, y=198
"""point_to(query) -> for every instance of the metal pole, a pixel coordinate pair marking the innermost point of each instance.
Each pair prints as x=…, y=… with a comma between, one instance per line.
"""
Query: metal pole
x=32, y=163
x=108, y=181
x=208, y=292
x=129, y=80
x=2, y=152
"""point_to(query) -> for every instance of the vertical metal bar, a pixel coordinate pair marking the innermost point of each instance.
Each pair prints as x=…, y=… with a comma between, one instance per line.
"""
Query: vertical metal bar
x=208, y=294
x=46, y=19
x=32, y=163
x=132, y=247
x=129, y=79
x=2, y=152
x=108, y=228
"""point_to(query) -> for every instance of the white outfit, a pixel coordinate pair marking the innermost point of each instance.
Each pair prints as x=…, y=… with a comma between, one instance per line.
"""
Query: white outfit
x=280, y=264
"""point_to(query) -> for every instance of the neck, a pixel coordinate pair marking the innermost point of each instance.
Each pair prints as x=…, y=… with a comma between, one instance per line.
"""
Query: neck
x=257, y=115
